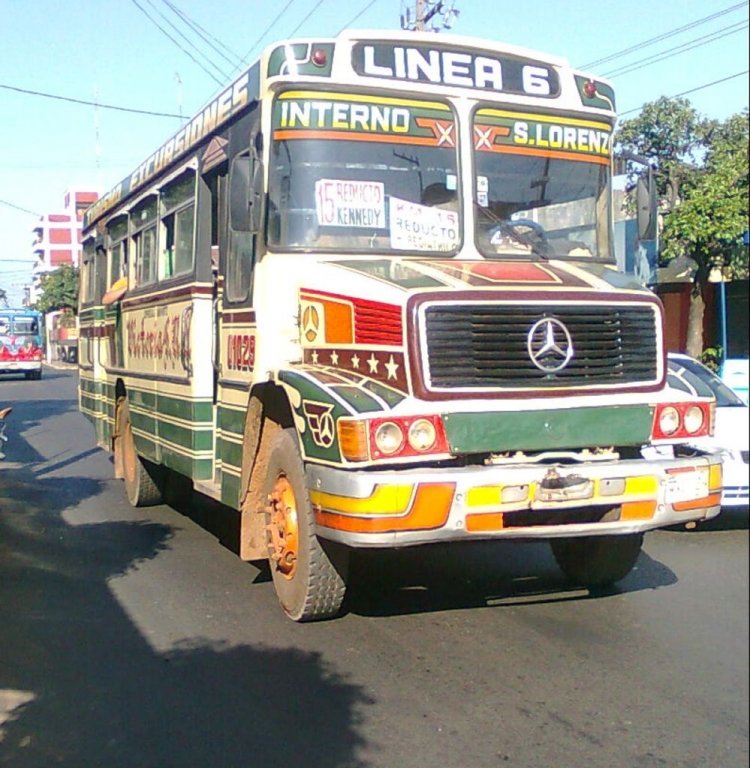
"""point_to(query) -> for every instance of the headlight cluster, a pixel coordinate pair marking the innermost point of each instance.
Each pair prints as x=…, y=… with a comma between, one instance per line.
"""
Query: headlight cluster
x=421, y=436
x=681, y=420
x=392, y=438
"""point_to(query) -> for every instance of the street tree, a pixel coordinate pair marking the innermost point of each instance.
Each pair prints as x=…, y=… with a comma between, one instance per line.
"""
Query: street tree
x=701, y=172
x=59, y=290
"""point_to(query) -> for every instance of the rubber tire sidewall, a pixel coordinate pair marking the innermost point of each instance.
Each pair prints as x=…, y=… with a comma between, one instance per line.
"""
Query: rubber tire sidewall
x=318, y=586
x=597, y=561
x=142, y=489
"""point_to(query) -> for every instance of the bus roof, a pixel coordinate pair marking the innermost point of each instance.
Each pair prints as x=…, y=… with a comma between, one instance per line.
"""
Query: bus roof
x=371, y=57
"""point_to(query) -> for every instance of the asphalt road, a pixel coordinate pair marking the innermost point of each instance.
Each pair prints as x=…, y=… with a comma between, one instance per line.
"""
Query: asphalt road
x=136, y=637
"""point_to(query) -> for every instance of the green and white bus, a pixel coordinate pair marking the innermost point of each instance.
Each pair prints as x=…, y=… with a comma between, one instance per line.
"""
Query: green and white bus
x=367, y=297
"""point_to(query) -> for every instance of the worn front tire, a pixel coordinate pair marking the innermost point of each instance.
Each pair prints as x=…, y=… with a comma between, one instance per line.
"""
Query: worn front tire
x=139, y=474
x=309, y=575
x=597, y=561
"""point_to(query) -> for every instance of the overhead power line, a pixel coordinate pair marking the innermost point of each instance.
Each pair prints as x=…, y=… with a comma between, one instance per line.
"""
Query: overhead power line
x=692, y=90
x=664, y=36
x=87, y=103
x=19, y=208
x=314, y=8
x=262, y=35
x=214, y=43
x=192, y=45
x=181, y=47
x=689, y=46
x=351, y=21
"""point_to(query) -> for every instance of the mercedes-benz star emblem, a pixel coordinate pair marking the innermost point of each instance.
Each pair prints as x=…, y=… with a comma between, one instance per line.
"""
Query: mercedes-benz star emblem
x=549, y=344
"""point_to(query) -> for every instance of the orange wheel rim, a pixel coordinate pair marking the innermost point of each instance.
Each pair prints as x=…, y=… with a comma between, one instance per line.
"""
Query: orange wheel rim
x=283, y=540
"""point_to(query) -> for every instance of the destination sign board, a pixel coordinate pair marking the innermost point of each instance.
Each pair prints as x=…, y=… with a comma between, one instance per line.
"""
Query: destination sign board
x=457, y=67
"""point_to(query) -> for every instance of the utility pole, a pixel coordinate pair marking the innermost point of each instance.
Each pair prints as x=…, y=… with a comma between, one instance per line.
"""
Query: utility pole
x=429, y=16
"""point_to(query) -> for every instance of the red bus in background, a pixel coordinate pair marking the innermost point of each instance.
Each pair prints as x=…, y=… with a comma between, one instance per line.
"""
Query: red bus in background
x=21, y=347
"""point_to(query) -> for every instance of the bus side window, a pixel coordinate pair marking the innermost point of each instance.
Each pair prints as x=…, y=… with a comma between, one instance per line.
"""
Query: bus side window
x=143, y=226
x=178, y=226
x=118, y=250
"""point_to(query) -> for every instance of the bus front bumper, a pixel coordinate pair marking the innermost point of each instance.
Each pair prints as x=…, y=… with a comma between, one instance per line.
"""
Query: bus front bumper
x=20, y=366
x=418, y=506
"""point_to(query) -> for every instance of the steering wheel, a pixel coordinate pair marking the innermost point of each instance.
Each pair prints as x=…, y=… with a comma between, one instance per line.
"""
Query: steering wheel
x=524, y=231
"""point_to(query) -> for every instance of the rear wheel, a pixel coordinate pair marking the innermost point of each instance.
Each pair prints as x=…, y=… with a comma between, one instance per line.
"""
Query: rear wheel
x=597, y=561
x=140, y=475
x=309, y=575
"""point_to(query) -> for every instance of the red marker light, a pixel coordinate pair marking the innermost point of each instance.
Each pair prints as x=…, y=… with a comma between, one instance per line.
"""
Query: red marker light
x=589, y=89
x=319, y=57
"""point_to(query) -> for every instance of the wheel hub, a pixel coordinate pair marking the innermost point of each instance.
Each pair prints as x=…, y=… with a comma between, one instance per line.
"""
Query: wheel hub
x=283, y=532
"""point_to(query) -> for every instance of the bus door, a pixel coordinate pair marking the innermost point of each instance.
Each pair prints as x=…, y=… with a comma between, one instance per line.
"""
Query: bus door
x=235, y=331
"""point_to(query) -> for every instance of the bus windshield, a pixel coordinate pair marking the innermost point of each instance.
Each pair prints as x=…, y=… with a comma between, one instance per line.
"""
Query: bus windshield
x=18, y=325
x=353, y=173
x=541, y=187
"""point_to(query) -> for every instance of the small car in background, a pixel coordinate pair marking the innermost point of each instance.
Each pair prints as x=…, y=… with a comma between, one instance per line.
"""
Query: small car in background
x=731, y=428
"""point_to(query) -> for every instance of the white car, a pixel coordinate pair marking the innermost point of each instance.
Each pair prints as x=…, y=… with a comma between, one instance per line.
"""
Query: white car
x=730, y=436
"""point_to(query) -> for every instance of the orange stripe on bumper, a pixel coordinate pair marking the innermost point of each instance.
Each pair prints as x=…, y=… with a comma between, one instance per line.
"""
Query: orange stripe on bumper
x=637, y=510
x=430, y=509
x=709, y=501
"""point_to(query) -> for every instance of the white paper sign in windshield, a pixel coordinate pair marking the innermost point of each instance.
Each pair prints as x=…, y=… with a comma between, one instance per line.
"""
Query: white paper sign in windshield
x=422, y=228
x=341, y=203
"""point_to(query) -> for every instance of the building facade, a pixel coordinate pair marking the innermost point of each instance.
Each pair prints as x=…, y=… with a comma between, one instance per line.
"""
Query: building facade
x=57, y=238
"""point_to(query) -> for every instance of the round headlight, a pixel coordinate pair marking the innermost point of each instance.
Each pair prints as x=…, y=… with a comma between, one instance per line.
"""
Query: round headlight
x=694, y=419
x=669, y=420
x=422, y=435
x=389, y=438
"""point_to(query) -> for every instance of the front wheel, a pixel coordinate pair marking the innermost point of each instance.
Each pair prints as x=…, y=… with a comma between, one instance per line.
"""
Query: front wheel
x=597, y=561
x=309, y=575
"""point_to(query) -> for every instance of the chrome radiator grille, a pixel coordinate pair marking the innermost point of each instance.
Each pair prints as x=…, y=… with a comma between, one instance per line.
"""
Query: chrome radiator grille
x=485, y=346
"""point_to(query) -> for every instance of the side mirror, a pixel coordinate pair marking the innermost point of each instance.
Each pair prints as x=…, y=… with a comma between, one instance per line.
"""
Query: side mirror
x=645, y=197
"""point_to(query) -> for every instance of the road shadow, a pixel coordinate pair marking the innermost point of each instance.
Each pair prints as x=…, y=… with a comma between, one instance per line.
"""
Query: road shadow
x=81, y=686
x=472, y=575
x=30, y=414
x=729, y=519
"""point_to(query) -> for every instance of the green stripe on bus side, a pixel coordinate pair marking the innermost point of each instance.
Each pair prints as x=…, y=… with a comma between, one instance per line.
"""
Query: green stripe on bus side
x=190, y=437
x=181, y=408
x=230, y=490
x=141, y=398
x=198, y=469
x=146, y=446
x=198, y=410
x=549, y=430
x=143, y=422
x=231, y=420
x=229, y=452
x=90, y=404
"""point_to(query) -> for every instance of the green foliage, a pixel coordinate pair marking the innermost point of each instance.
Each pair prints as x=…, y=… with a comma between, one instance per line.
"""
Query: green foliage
x=670, y=133
x=710, y=219
x=59, y=290
x=711, y=357
x=702, y=177
x=701, y=172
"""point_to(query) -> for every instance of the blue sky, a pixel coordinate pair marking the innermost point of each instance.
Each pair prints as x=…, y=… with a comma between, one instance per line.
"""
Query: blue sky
x=110, y=51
